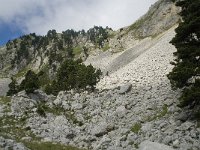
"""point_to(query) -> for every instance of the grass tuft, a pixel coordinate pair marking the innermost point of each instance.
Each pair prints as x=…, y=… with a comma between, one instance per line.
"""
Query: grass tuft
x=136, y=128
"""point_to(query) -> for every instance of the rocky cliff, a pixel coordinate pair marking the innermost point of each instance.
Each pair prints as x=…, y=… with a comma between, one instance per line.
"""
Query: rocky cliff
x=161, y=16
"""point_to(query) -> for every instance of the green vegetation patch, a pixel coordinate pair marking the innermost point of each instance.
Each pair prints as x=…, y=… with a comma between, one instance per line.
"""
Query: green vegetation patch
x=5, y=100
x=163, y=112
x=11, y=127
x=159, y=114
x=137, y=24
x=21, y=73
x=14, y=128
x=77, y=50
x=106, y=47
x=42, y=109
x=111, y=35
x=43, y=77
x=48, y=146
x=136, y=128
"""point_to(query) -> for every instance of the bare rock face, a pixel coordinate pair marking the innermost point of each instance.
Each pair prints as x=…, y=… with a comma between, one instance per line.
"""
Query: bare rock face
x=4, y=86
x=161, y=16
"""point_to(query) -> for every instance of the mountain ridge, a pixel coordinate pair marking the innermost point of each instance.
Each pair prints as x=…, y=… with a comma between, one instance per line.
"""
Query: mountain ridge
x=32, y=51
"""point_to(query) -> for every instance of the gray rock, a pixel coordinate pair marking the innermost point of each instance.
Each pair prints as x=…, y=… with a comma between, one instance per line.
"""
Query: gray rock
x=148, y=145
x=121, y=111
x=172, y=109
x=183, y=116
x=101, y=128
x=186, y=125
x=167, y=140
x=47, y=139
x=39, y=95
x=168, y=101
x=19, y=105
x=125, y=88
x=65, y=105
x=146, y=127
x=19, y=146
x=76, y=106
x=26, y=138
x=22, y=94
x=103, y=143
x=176, y=143
x=57, y=101
x=62, y=96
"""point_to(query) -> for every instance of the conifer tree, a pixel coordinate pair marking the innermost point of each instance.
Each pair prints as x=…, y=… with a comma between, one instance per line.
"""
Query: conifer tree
x=30, y=83
x=186, y=73
x=13, y=87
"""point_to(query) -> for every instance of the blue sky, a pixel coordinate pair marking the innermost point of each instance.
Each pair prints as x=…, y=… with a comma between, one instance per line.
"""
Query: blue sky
x=18, y=17
x=8, y=32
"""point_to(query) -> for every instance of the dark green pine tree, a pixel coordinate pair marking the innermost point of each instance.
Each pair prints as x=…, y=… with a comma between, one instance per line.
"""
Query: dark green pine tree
x=30, y=83
x=186, y=73
x=74, y=75
x=13, y=87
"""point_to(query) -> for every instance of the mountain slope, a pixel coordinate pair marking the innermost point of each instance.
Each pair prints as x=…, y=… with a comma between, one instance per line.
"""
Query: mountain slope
x=134, y=101
x=110, y=119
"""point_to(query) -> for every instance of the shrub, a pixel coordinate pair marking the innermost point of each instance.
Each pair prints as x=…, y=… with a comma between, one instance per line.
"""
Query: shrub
x=13, y=87
x=74, y=75
x=136, y=128
x=30, y=83
x=41, y=110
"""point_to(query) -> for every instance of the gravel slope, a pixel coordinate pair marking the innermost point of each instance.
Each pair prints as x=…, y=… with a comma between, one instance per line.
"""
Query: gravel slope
x=150, y=67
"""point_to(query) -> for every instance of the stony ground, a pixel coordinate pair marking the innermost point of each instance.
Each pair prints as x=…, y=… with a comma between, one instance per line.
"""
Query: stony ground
x=134, y=107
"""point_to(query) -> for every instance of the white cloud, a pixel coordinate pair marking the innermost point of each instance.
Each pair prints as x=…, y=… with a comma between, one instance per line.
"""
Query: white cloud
x=42, y=15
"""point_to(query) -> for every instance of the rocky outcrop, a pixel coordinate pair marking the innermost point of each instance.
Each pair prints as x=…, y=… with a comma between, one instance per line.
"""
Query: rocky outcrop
x=4, y=82
x=161, y=16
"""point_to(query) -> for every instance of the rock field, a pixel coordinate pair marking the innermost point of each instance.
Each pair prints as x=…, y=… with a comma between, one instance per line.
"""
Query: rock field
x=134, y=107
